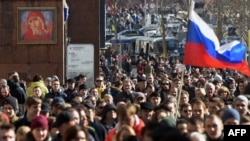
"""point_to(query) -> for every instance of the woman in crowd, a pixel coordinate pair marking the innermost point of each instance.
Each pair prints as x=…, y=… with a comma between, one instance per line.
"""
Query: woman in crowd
x=76, y=133
x=22, y=132
x=39, y=129
x=224, y=93
x=124, y=132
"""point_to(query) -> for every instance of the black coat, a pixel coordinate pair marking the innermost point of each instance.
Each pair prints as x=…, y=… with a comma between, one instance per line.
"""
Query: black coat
x=99, y=129
x=53, y=94
x=123, y=96
x=22, y=122
x=17, y=91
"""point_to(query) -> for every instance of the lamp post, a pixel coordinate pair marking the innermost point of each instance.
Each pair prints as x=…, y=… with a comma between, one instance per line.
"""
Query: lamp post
x=145, y=12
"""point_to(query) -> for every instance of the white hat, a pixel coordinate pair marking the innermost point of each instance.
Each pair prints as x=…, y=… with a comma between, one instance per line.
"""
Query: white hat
x=218, y=78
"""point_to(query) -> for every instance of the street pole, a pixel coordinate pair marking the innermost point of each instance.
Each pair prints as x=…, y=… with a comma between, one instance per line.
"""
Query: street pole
x=145, y=13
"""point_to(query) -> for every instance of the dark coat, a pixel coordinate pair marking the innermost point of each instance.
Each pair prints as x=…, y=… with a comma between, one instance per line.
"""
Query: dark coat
x=123, y=96
x=53, y=94
x=17, y=91
x=22, y=122
x=70, y=94
x=99, y=129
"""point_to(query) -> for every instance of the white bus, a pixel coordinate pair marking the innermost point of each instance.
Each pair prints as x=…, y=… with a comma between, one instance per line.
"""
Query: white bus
x=152, y=46
x=126, y=45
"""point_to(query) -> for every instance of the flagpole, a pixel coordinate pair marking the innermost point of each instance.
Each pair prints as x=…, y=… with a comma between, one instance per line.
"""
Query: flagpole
x=179, y=94
x=190, y=6
x=182, y=73
x=145, y=13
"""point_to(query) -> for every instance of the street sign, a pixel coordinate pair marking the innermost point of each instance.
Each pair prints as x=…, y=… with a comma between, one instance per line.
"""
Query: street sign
x=80, y=60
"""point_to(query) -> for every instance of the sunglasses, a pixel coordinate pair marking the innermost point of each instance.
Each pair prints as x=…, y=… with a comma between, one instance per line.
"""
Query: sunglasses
x=98, y=80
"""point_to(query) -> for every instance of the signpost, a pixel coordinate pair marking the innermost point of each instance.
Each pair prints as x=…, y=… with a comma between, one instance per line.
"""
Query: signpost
x=80, y=60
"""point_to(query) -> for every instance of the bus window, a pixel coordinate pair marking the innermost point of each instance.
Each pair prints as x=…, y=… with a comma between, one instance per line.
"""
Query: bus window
x=125, y=47
x=151, y=49
x=147, y=49
x=159, y=46
x=172, y=44
x=137, y=46
x=133, y=48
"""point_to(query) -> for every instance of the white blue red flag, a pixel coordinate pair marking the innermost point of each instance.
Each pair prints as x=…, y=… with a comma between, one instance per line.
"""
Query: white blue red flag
x=65, y=10
x=203, y=48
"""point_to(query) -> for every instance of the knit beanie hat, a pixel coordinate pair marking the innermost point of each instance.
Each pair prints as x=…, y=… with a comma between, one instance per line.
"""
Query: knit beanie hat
x=12, y=101
x=39, y=122
x=230, y=113
x=168, y=121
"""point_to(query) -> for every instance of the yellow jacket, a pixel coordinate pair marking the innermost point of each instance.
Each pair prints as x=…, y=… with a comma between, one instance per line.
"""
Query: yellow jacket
x=34, y=84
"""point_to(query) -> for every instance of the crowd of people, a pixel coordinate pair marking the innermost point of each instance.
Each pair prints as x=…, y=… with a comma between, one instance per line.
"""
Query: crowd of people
x=157, y=103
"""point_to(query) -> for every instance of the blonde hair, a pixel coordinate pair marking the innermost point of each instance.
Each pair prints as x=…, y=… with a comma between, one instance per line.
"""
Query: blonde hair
x=123, y=128
x=125, y=110
x=223, y=89
x=110, y=97
x=22, y=131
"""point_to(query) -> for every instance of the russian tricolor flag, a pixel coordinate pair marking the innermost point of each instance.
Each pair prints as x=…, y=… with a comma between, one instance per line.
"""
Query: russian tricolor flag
x=65, y=10
x=203, y=48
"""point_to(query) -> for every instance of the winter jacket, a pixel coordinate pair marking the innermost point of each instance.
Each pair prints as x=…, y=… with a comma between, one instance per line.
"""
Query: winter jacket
x=34, y=84
x=139, y=124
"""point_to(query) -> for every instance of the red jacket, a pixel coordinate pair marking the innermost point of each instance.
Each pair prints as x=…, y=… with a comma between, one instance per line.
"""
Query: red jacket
x=140, y=69
x=137, y=128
